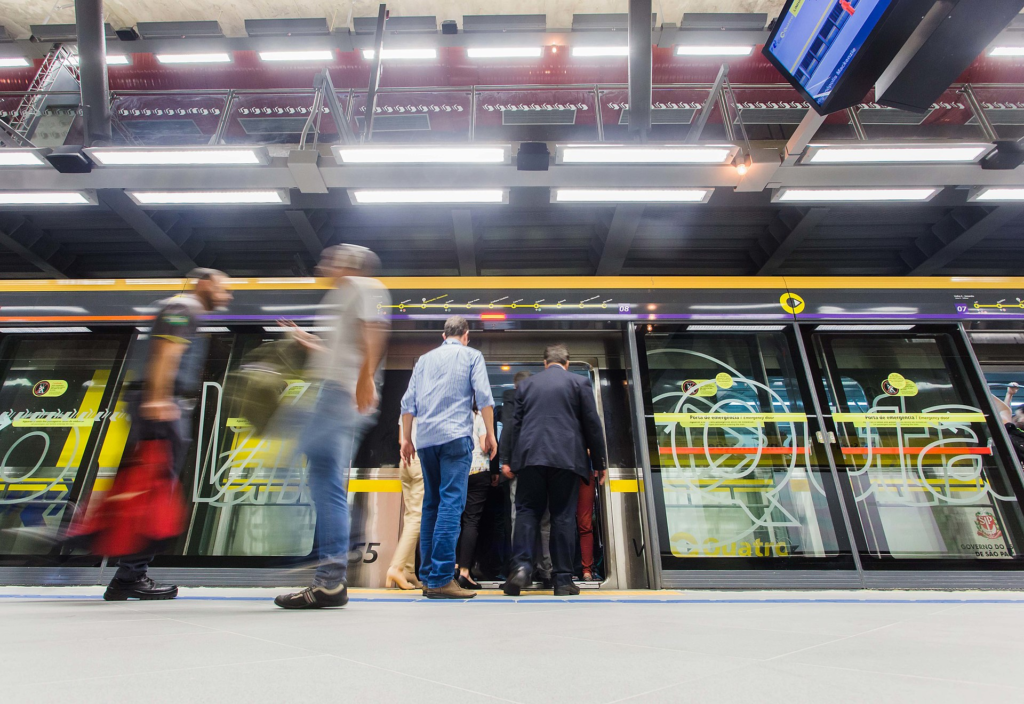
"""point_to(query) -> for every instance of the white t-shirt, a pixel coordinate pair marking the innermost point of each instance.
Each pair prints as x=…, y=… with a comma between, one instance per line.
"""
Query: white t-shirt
x=481, y=462
x=356, y=300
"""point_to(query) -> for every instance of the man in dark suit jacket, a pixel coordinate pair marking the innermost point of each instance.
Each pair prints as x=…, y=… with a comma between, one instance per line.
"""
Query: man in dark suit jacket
x=556, y=436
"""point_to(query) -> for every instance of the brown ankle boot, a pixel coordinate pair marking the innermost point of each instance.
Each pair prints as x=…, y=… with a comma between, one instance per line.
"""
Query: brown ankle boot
x=452, y=590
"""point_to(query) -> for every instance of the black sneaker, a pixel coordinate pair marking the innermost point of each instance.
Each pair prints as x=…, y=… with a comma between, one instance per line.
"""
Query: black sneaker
x=570, y=589
x=144, y=589
x=314, y=598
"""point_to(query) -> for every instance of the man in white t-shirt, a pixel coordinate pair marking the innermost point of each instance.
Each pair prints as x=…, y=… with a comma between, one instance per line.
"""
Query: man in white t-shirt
x=347, y=361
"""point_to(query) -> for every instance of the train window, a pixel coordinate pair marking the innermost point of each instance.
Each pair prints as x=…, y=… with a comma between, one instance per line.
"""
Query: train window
x=917, y=456
x=54, y=395
x=735, y=472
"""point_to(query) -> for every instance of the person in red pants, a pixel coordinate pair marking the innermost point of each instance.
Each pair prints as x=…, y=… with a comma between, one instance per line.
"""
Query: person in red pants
x=585, y=522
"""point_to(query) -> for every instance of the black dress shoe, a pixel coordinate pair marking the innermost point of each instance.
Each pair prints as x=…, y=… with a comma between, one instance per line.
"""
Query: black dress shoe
x=314, y=598
x=569, y=589
x=517, y=581
x=144, y=589
x=467, y=583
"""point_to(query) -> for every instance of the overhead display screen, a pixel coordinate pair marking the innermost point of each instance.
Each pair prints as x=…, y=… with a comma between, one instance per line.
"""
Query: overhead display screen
x=815, y=41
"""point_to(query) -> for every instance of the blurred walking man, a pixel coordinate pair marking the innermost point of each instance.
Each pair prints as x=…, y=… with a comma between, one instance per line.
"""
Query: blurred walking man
x=163, y=410
x=347, y=363
x=555, y=425
x=444, y=384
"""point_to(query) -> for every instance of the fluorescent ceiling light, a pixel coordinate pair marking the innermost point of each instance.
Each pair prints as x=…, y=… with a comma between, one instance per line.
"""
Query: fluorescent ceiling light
x=112, y=60
x=431, y=195
x=178, y=157
x=896, y=154
x=388, y=54
x=212, y=329
x=281, y=328
x=652, y=154
x=600, y=51
x=632, y=195
x=853, y=195
x=206, y=197
x=1007, y=51
x=43, y=330
x=862, y=328
x=214, y=58
x=43, y=198
x=711, y=50
x=14, y=62
x=423, y=155
x=21, y=157
x=511, y=52
x=735, y=328
x=309, y=55
x=993, y=193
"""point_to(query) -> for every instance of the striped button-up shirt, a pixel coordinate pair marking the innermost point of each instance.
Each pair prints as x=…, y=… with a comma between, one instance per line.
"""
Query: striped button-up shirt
x=440, y=395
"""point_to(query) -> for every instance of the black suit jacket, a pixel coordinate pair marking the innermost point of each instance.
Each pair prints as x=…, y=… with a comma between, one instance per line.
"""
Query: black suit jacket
x=508, y=406
x=556, y=422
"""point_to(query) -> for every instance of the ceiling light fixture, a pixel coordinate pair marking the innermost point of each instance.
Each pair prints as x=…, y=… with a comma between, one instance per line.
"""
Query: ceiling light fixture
x=308, y=55
x=631, y=195
x=388, y=54
x=112, y=60
x=600, y=51
x=214, y=328
x=895, y=153
x=854, y=195
x=14, y=331
x=995, y=193
x=281, y=328
x=215, y=156
x=45, y=198
x=497, y=52
x=1006, y=51
x=21, y=157
x=650, y=154
x=735, y=328
x=863, y=328
x=424, y=155
x=430, y=195
x=214, y=58
x=711, y=50
x=271, y=197
x=14, y=62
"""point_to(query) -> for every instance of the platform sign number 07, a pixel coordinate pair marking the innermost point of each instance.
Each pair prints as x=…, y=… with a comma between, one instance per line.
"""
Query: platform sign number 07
x=961, y=308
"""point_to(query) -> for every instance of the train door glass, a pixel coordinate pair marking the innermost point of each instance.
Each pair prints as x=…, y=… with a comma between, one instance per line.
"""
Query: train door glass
x=738, y=482
x=919, y=467
x=55, y=395
x=1001, y=356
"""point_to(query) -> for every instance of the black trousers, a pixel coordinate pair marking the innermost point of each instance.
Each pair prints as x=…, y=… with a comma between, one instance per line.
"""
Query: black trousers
x=476, y=496
x=557, y=490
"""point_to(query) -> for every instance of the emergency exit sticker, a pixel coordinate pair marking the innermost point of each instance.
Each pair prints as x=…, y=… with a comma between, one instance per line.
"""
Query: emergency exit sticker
x=48, y=388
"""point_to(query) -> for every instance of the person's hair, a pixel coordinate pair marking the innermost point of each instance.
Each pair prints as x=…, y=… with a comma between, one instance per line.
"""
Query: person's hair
x=351, y=256
x=455, y=326
x=556, y=354
x=204, y=274
x=519, y=377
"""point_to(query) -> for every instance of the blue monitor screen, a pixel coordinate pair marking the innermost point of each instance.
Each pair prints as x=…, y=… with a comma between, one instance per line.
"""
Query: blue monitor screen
x=817, y=40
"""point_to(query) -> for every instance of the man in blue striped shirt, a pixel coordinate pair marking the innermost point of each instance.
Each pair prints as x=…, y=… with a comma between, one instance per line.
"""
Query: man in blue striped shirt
x=445, y=383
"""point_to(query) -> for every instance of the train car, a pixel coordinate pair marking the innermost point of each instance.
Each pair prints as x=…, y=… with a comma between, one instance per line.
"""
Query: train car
x=762, y=432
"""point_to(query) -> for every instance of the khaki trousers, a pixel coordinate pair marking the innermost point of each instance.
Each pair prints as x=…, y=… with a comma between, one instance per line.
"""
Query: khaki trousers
x=412, y=498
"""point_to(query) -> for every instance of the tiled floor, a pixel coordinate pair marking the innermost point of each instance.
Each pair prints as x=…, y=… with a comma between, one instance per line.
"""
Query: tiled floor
x=232, y=645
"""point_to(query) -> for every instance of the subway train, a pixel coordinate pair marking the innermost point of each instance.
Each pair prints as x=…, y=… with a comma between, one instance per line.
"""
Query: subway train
x=762, y=432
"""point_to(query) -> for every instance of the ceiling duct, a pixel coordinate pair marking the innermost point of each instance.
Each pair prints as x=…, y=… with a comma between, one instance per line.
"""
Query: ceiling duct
x=422, y=24
x=771, y=115
x=288, y=27
x=605, y=22
x=664, y=116
x=504, y=23
x=179, y=30
x=418, y=122
x=64, y=32
x=724, y=20
x=1002, y=114
x=565, y=116
x=878, y=115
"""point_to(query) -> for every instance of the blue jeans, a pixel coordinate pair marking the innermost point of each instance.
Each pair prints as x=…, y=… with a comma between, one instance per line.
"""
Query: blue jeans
x=445, y=478
x=329, y=441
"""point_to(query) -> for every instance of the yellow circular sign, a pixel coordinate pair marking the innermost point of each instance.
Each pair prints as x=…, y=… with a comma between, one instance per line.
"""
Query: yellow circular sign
x=724, y=380
x=897, y=380
x=791, y=303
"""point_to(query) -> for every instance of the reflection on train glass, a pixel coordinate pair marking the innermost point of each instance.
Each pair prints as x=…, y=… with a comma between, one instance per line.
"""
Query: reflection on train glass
x=915, y=449
x=736, y=475
x=52, y=399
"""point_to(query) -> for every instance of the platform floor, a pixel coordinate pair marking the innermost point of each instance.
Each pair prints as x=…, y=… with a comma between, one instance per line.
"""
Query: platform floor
x=232, y=645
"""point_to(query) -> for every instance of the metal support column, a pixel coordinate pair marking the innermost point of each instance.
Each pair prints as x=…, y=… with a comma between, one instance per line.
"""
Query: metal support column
x=709, y=105
x=92, y=68
x=371, y=91
x=979, y=113
x=641, y=62
x=858, y=128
